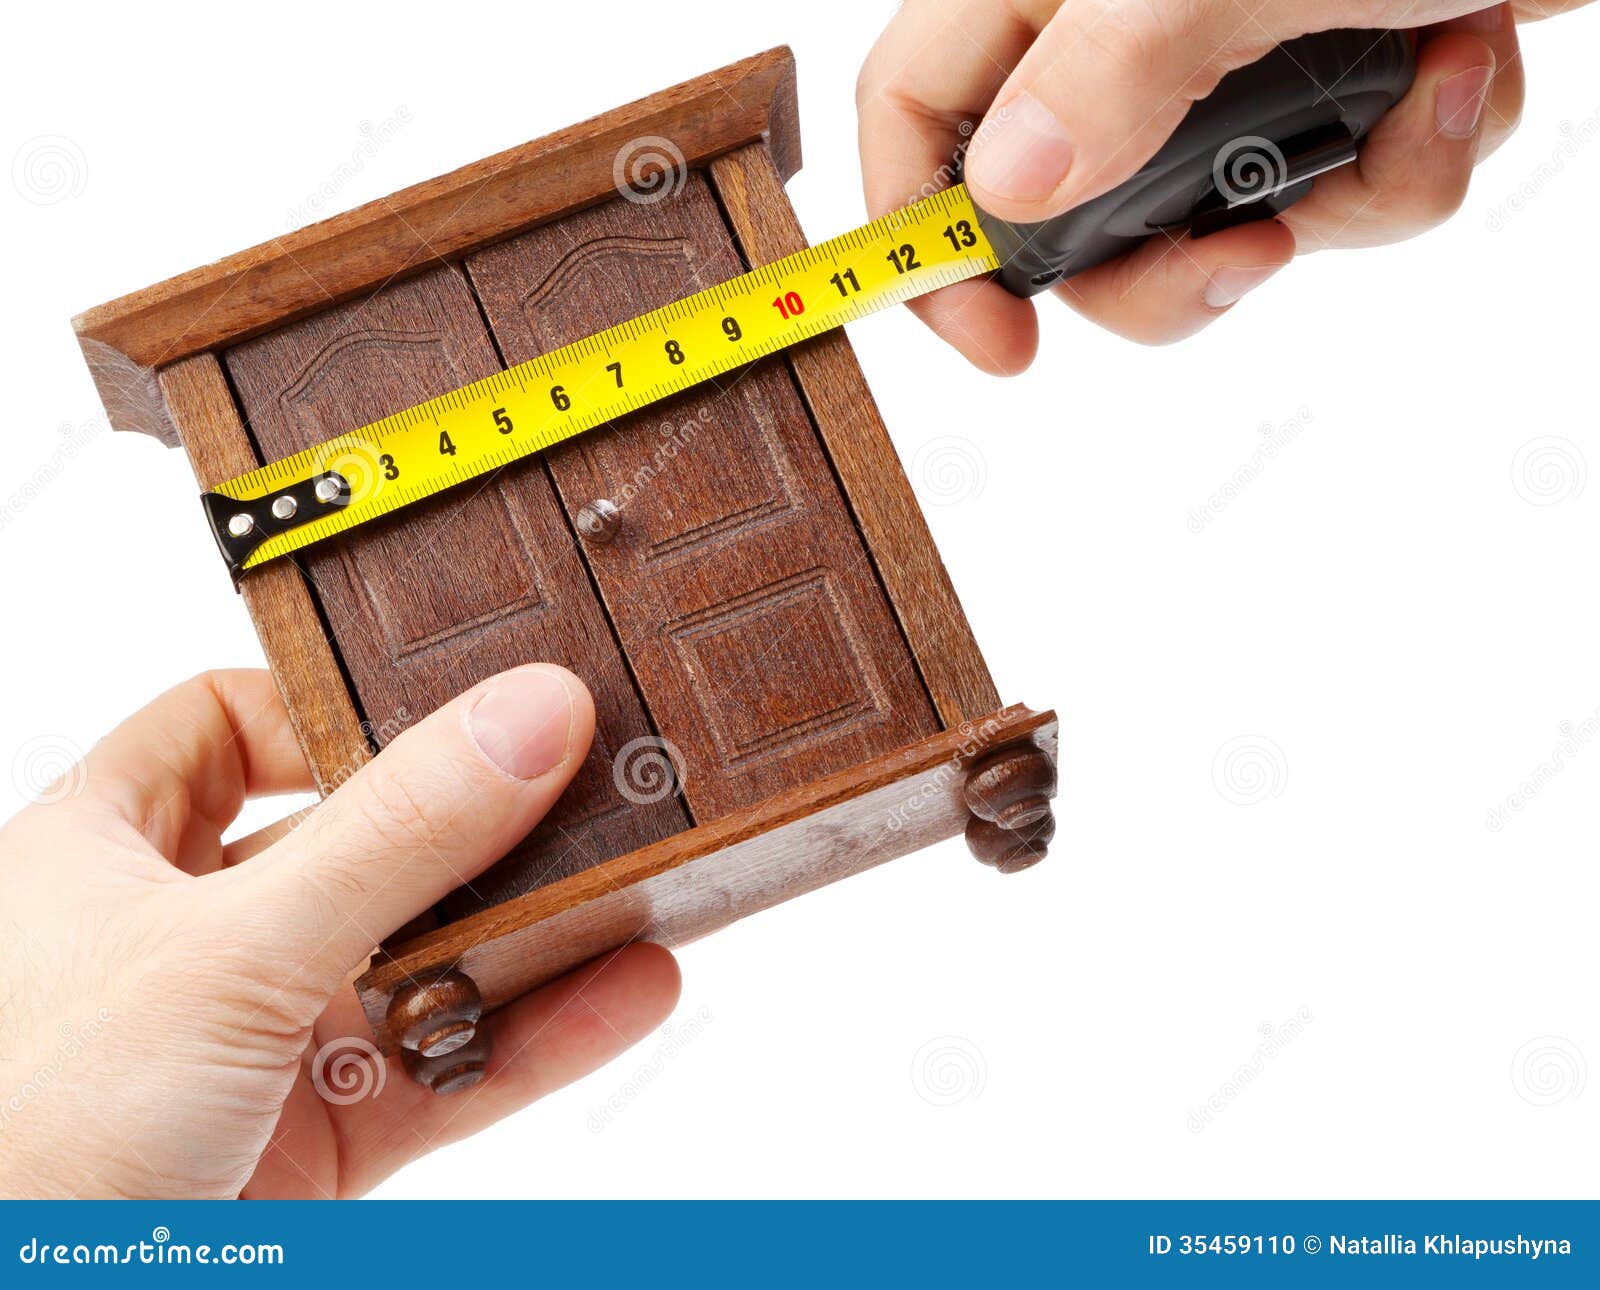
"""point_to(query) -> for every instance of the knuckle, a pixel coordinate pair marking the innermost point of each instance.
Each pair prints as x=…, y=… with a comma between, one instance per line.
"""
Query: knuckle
x=1440, y=201
x=1132, y=37
x=204, y=683
x=329, y=891
x=1405, y=203
x=866, y=83
x=871, y=80
x=408, y=812
x=883, y=69
x=206, y=690
x=395, y=814
x=316, y=896
x=284, y=1011
x=265, y=987
x=1176, y=41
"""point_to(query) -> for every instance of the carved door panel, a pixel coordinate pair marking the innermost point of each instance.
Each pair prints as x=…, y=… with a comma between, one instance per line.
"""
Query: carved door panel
x=743, y=595
x=430, y=601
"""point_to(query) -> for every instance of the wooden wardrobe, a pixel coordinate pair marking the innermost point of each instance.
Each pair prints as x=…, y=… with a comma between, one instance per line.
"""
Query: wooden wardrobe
x=786, y=688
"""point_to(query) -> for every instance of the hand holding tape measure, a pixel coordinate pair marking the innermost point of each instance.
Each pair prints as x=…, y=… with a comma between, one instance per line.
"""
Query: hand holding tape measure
x=1072, y=99
x=1245, y=154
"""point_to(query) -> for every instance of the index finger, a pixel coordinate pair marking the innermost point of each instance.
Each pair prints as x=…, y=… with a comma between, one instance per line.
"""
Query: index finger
x=201, y=749
x=922, y=90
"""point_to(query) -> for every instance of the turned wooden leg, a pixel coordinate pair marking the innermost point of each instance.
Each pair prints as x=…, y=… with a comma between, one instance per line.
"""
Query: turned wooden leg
x=1008, y=793
x=1010, y=850
x=456, y=1070
x=438, y=1022
x=434, y=1016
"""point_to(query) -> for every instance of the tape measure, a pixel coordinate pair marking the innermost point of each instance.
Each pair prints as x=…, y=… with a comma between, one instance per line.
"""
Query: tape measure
x=1282, y=108
x=412, y=455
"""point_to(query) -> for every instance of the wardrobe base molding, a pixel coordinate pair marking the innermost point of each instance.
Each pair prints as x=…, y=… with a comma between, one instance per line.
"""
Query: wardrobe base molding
x=675, y=891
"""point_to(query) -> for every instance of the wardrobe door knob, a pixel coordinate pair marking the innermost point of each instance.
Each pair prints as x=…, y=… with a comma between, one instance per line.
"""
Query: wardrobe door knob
x=600, y=520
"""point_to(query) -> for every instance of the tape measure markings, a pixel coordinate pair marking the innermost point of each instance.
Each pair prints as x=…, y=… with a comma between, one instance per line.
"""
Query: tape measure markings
x=499, y=419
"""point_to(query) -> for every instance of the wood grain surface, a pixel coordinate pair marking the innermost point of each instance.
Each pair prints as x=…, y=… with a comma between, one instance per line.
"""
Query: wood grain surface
x=293, y=635
x=760, y=637
x=687, y=886
x=428, y=602
x=750, y=187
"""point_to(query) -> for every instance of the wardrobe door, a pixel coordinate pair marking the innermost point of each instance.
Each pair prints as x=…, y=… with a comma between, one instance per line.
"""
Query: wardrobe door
x=431, y=600
x=761, y=639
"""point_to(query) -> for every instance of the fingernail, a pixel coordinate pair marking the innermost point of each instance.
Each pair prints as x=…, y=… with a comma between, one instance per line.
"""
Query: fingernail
x=1230, y=285
x=1459, y=106
x=1025, y=152
x=523, y=722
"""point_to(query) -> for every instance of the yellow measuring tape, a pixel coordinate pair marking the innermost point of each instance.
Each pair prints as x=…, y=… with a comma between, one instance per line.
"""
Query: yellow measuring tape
x=415, y=454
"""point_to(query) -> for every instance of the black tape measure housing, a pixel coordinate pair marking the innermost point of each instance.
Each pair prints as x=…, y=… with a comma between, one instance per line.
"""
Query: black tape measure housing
x=1248, y=151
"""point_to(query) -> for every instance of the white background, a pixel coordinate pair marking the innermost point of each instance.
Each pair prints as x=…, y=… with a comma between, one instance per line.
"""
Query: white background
x=1397, y=615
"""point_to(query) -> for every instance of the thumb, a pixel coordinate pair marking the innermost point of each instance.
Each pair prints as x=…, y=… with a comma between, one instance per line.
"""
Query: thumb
x=440, y=804
x=1101, y=89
